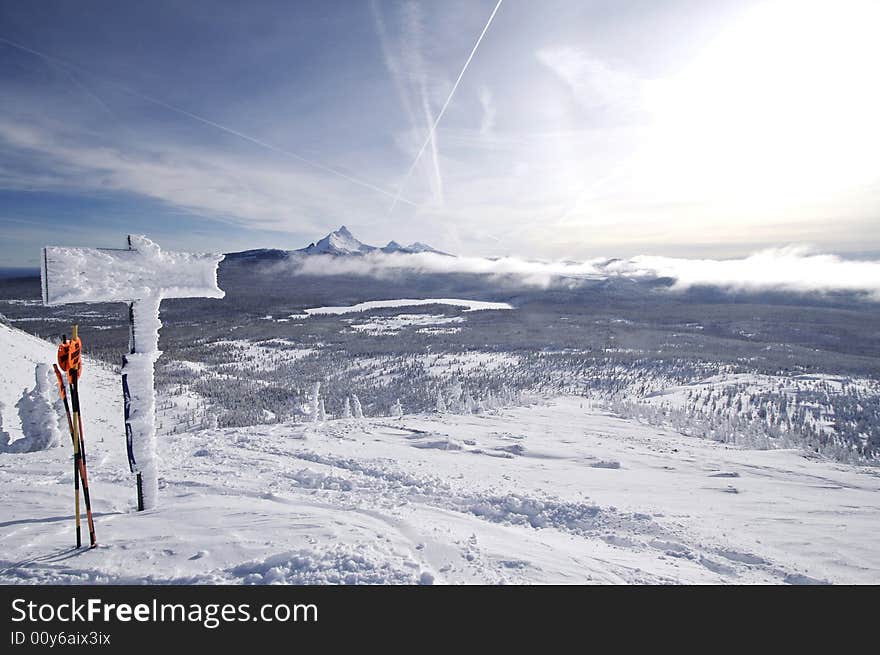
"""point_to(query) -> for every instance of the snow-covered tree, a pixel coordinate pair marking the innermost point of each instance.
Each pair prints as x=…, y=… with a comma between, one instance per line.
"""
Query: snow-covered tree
x=210, y=421
x=315, y=405
x=4, y=436
x=346, y=408
x=397, y=409
x=441, y=404
x=39, y=418
x=322, y=413
x=356, y=406
x=454, y=396
x=470, y=405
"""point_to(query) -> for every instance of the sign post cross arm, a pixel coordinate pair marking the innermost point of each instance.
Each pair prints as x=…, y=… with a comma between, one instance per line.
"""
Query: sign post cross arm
x=141, y=276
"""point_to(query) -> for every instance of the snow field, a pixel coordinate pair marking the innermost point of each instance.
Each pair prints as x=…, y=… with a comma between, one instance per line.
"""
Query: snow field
x=558, y=492
x=469, y=305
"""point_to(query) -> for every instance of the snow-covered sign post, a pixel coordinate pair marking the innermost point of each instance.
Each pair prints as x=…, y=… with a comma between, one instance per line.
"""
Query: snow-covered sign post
x=141, y=275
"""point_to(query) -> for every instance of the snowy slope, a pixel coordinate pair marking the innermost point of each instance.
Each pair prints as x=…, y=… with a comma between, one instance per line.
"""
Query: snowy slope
x=22, y=352
x=558, y=492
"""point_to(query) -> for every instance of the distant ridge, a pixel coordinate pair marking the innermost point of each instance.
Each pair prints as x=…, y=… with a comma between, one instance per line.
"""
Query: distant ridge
x=23, y=271
x=340, y=243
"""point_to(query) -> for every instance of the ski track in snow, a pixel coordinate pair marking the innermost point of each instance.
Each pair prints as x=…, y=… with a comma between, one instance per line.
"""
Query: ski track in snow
x=552, y=493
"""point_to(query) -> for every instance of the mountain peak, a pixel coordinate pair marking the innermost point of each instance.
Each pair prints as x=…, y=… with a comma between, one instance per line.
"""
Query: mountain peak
x=339, y=242
x=343, y=242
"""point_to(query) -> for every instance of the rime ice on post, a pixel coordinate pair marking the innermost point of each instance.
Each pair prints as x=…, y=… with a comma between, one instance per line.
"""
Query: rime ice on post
x=141, y=275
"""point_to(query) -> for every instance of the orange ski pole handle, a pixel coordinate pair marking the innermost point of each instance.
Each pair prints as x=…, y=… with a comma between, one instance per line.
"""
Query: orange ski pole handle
x=70, y=354
x=74, y=354
x=63, y=393
x=64, y=354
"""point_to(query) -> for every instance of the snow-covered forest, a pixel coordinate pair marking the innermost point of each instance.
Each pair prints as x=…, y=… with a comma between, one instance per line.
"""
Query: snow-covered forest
x=729, y=371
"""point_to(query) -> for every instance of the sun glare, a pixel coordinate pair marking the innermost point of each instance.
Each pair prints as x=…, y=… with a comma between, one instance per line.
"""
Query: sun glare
x=781, y=110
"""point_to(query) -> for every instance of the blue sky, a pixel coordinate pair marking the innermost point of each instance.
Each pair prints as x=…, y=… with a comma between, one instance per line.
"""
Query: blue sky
x=579, y=129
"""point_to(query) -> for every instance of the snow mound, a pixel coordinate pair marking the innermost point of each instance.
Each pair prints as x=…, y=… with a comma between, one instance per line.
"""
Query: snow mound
x=337, y=565
x=314, y=480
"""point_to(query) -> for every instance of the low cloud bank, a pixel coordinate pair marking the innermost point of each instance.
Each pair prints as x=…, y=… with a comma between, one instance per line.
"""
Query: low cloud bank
x=782, y=269
x=794, y=269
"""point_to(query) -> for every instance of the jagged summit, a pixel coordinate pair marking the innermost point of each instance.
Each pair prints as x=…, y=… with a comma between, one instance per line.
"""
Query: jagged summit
x=340, y=242
x=343, y=242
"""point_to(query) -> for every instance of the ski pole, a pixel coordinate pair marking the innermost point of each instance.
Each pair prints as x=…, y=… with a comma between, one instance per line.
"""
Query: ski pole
x=82, y=457
x=64, y=362
x=73, y=374
x=64, y=398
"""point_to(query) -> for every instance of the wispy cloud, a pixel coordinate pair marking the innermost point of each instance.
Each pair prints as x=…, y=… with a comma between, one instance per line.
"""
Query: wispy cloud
x=67, y=67
x=405, y=60
x=433, y=127
x=263, y=194
x=592, y=81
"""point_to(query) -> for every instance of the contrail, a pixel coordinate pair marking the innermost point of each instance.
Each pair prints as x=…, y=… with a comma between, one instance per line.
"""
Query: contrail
x=397, y=197
x=211, y=123
x=435, y=159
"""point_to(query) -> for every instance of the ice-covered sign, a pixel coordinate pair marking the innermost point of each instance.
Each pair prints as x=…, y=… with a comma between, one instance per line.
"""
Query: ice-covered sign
x=140, y=275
